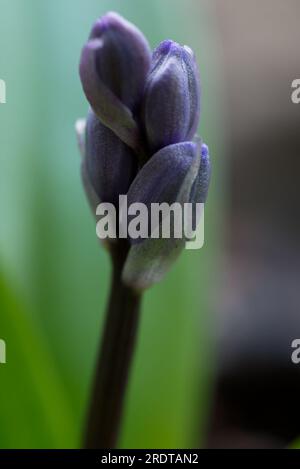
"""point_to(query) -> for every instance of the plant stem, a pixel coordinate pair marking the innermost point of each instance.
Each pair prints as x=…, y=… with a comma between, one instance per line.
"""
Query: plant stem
x=116, y=353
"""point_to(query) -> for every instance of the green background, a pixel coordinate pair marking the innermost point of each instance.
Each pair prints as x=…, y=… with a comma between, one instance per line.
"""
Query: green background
x=54, y=275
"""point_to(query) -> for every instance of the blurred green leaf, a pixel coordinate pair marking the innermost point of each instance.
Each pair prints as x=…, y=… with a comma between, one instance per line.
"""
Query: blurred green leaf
x=34, y=406
x=295, y=444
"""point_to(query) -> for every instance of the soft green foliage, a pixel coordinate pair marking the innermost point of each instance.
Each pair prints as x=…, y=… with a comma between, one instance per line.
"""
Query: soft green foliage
x=50, y=258
x=35, y=407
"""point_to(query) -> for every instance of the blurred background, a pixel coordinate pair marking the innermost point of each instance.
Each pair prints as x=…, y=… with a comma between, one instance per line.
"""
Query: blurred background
x=213, y=363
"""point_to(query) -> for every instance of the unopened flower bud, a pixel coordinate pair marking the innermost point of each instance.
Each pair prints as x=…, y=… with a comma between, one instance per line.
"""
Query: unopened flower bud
x=171, y=107
x=113, y=69
x=139, y=140
x=111, y=165
x=172, y=175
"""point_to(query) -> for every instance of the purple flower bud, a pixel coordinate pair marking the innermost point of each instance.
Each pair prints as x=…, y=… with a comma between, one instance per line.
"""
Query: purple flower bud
x=113, y=69
x=139, y=109
x=110, y=164
x=124, y=59
x=169, y=176
x=171, y=108
x=161, y=177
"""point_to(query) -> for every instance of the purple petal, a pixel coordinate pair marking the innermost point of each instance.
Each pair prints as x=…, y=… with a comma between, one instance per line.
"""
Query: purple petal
x=168, y=177
x=111, y=165
x=161, y=178
x=124, y=60
x=105, y=104
x=113, y=69
x=172, y=98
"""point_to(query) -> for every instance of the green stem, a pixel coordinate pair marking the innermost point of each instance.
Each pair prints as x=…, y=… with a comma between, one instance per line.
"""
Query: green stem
x=115, y=358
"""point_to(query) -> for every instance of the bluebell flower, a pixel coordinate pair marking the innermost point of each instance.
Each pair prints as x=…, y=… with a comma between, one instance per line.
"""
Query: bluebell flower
x=140, y=135
x=178, y=173
x=113, y=68
x=111, y=165
x=171, y=107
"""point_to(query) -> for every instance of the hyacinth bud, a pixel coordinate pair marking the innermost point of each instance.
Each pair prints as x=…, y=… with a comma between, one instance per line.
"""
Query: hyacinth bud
x=113, y=69
x=139, y=138
x=110, y=164
x=171, y=107
x=161, y=177
x=172, y=175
